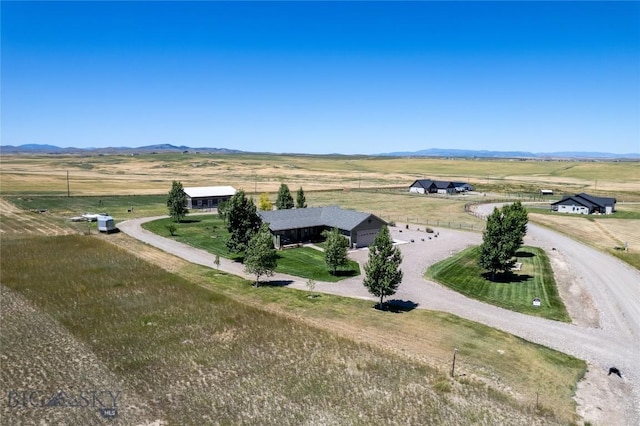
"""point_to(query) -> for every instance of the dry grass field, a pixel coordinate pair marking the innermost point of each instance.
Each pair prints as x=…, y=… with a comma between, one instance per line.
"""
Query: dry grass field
x=499, y=381
x=152, y=174
x=377, y=185
x=176, y=349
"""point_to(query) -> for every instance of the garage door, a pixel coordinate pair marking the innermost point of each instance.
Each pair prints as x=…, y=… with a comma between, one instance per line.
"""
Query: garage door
x=365, y=238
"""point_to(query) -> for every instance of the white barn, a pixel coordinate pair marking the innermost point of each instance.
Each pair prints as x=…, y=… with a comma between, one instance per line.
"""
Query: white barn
x=207, y=197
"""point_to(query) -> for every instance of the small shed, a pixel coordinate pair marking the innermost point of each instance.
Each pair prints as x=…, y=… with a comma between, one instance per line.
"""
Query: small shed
x=546, y=192
x=106, y=224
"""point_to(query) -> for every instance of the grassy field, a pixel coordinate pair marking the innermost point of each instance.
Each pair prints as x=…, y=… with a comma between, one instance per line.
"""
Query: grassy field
x=120, y=207
x=503, y=374
x=208, y=232
x=510, y=291
x=189, y=352
x=374, y=184
x=152, y=174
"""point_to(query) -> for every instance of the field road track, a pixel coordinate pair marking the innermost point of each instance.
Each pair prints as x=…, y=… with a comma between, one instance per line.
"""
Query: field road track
x=612, y=286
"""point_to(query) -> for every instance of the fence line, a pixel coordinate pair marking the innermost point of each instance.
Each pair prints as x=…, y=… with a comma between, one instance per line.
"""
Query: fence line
x=434, y=222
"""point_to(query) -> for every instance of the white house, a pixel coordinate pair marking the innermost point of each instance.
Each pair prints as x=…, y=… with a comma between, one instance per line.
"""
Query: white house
x=584, y=204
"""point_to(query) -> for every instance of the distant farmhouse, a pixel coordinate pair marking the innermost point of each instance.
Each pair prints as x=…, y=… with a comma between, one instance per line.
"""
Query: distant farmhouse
x=290, y=226
x=428, y=186
x=206, y=197
x=584, y=204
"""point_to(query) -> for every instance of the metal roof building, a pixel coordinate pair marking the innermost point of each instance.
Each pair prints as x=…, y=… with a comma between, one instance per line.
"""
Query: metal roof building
x=298, y=225
x=203, y=197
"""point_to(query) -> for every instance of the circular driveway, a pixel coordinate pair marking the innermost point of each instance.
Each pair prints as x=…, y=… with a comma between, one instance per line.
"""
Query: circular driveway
x=611, y=287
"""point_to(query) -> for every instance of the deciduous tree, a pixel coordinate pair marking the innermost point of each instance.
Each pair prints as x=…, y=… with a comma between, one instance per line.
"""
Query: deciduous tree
x=177, y=202
x=301, y=200
x=261, y=258
x=383, y=274
x=223, y=208
x=502, y=238
x=335, y=250
x=264, y=203
x=284, y=200
x=242, y=222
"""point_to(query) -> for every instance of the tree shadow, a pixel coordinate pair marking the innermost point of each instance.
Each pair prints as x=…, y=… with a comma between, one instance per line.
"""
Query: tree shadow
x=398, y=306
x=524, y=254
x=190, y=221
x=344, y=273
x=507, y=277
x=276, y=283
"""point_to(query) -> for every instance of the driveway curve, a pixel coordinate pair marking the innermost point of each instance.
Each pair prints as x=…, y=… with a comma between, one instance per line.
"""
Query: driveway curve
x=612, y=286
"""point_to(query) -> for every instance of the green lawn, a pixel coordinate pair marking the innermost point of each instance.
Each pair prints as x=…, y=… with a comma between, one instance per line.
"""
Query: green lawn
x=117, y=206
x=208, y=232
x=510, y=291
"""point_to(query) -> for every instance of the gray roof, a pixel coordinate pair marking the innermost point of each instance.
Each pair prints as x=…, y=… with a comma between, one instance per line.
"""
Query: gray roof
x=440, y=184
x=425, y=183
x=587, y=200
x=331, y=216
x=600, y=201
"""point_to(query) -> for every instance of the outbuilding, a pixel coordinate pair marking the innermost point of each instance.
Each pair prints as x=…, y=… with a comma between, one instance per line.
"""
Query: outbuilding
x=208, y=197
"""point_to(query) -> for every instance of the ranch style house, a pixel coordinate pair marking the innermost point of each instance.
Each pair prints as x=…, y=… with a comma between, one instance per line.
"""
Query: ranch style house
x=584, y=204
x=291, y=226
x=428, y=186
x=207, y=197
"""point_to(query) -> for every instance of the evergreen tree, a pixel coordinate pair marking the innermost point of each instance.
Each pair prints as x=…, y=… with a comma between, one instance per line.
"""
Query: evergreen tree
x=242, y=222
x=335, y=250
x=261, y=258
x=264, y=203
x=383, y=274
x=301, y=200
x=502, y=238
x=177, y=202
x=284, y=200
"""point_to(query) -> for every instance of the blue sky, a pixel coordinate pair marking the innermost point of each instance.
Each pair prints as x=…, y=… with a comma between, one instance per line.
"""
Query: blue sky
x=326, y=77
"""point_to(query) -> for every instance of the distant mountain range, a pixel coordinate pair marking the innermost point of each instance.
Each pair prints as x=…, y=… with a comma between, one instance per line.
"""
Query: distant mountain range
x=52, y=149
x=465, y=153
x=433, y=152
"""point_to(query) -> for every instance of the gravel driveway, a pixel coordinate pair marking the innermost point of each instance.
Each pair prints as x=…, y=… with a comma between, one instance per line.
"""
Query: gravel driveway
x=610, y=288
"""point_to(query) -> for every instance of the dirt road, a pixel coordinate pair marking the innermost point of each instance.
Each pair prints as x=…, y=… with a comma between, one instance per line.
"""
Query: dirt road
x=608, y=288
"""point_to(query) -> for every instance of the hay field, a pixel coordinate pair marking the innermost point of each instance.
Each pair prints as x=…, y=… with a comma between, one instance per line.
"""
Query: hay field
x=373, y=184
x=152, y=174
